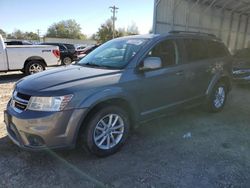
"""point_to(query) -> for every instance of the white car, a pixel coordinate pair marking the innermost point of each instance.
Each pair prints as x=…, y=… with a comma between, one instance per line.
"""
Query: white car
x=29, y=59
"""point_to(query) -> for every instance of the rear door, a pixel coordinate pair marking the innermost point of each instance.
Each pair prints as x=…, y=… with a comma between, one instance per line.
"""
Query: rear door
x=197, y=67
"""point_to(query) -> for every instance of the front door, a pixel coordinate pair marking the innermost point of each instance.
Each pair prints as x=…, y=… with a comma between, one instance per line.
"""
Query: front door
x=162, y=88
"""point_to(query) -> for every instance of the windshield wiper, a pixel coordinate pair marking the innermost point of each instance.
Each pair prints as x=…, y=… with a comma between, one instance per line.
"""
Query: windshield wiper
x=90, y=64
x=93, y=65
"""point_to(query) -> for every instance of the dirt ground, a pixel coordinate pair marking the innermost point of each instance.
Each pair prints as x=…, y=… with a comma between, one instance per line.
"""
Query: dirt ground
x=190, y=149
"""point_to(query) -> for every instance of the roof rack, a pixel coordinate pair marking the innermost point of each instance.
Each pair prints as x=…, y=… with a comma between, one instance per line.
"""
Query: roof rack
x=191, y=32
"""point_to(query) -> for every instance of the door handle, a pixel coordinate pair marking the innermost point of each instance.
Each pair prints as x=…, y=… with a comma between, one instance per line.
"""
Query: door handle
x=179, y=73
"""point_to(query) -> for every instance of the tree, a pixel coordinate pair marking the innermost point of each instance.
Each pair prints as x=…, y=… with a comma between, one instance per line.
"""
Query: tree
x=2, y=33
x=18, y=34
x=121, y=32
x=132, y=29
x=31, y=36
x=105, y=32
x=65, y=29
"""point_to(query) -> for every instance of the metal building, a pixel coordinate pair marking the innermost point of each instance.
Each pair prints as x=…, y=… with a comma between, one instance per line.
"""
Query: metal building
x=227, y=19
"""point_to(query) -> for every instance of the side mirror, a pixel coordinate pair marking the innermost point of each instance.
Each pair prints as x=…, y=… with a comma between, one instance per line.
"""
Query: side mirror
x=151, y=63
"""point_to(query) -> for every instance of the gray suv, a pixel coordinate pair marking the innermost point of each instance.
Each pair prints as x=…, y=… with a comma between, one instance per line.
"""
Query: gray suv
x=96, y=102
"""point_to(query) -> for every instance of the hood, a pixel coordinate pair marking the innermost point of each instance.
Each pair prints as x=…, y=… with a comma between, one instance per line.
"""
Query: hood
x=63, y=78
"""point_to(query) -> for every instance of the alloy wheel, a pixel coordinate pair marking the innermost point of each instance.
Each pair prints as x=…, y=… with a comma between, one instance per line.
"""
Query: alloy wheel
x=109, y=131
x=35, y=68
x=220, y=96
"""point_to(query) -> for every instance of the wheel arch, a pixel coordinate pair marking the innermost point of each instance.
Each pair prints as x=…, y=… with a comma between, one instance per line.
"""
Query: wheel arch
x=116, y=101
x=34, y=58
x=225, y=78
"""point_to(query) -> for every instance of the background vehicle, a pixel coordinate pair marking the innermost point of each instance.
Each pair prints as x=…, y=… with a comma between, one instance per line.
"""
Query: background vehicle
x=27, y=58
x=17, y=42
x=241, y=66
x=81, y=47
x=85, y=51
x=96, y=102
x=67, y=52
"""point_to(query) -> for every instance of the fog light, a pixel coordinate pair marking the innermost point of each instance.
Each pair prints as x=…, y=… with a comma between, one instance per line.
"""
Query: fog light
x=35, y=140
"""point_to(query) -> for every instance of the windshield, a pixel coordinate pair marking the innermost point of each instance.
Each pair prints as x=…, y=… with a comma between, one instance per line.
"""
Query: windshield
x=114, y=54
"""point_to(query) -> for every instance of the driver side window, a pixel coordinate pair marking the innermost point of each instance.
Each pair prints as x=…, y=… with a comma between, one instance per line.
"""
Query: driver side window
x=166, y=51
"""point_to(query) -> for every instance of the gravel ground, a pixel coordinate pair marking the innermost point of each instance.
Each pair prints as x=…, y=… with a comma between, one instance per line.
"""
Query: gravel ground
x=189, y=149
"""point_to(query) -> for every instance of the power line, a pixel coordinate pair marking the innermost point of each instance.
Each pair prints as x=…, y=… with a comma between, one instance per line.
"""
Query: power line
x=114, y=11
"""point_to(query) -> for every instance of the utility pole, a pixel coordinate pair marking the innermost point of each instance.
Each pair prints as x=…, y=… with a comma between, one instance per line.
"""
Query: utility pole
x=38, y=33
x=114, y=11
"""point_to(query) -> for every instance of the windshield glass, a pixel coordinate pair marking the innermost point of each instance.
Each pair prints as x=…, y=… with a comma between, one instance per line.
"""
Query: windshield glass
x=114, y=54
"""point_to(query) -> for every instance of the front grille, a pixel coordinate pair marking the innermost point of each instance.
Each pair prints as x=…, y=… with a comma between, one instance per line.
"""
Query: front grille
x=23, y=96
x=19, y=101
x=20, y=106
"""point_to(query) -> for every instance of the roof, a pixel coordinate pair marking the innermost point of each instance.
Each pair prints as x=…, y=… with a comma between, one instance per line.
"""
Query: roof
x=146, y=36
x=171, y=33
x=236, y=6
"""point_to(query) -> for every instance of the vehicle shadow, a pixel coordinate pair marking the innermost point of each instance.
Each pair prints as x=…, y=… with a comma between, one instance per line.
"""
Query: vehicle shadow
x=8, y=78
x=242, y=86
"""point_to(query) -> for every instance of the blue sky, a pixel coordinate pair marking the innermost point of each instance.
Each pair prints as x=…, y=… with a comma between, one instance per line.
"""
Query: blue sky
x=30, y=15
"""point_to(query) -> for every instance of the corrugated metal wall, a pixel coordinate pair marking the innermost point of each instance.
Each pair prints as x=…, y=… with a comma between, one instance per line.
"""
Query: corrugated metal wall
x=185, y=15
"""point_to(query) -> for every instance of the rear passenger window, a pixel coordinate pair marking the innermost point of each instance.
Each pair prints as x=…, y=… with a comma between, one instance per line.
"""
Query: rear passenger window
x=167, y=51
x=195, y=50
x=216, y=49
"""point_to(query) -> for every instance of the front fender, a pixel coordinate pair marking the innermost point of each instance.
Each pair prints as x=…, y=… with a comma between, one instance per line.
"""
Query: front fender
x=108, y=94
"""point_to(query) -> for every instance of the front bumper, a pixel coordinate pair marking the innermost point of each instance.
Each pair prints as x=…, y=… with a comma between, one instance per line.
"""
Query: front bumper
x=43, y=130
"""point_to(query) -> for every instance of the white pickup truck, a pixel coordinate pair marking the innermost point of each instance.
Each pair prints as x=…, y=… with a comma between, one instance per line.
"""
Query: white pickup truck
x=29, y=59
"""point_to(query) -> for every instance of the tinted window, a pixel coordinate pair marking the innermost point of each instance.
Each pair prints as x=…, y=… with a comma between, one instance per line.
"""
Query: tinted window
x=61, y=47
x=70, y=46
x=195, y=50
x=165, y=50
x=216, y=49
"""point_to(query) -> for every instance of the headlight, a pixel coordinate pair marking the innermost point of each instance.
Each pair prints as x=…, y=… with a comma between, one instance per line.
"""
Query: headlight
x=51, y=104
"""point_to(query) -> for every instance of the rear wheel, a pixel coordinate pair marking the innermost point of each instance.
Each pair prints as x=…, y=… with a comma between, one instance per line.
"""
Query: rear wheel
x=107, y=130
x=217, y=99
x=67, y=61
x=33, y=67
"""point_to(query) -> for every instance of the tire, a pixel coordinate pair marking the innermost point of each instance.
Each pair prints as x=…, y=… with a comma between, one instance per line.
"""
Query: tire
x=33, y=67
x=100, y=137
x=66, y=61
x=217, y=98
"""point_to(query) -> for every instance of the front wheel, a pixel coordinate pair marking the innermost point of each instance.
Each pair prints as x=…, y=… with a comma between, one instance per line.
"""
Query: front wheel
x=106, y=131
x=217, y=99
